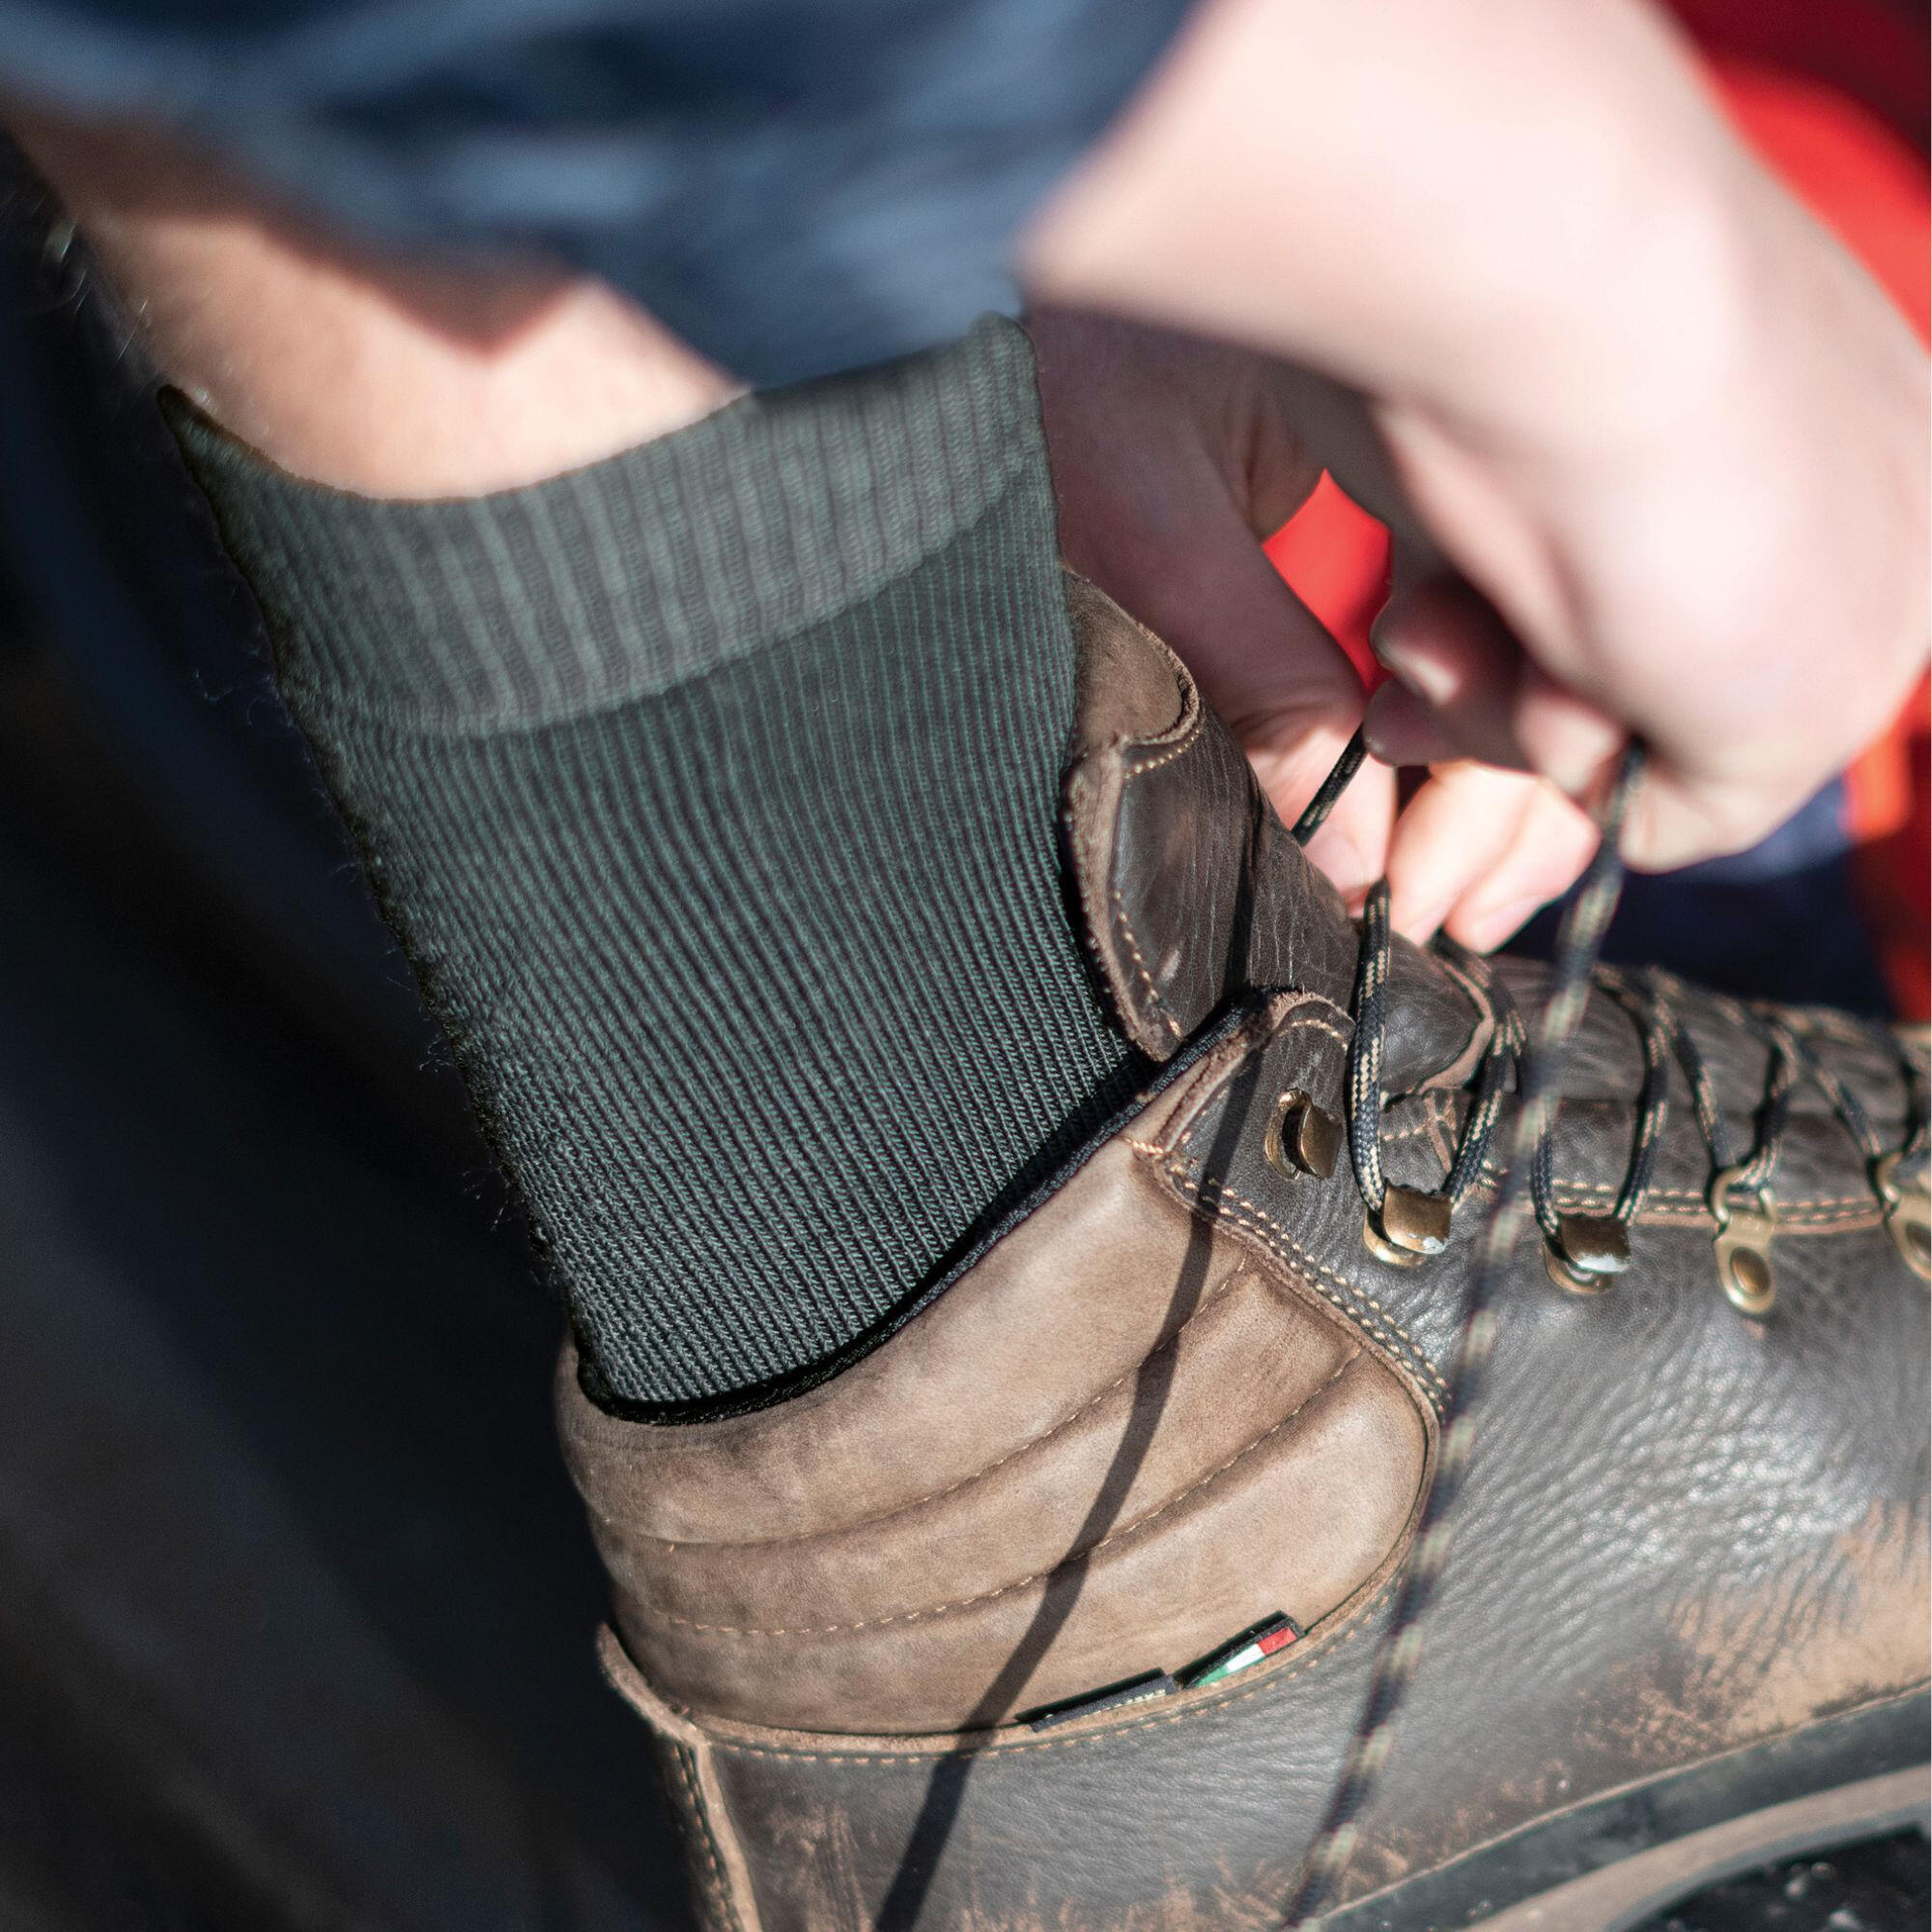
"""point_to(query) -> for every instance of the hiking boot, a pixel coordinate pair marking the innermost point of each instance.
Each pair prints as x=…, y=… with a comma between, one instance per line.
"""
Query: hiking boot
x=1058, y=1608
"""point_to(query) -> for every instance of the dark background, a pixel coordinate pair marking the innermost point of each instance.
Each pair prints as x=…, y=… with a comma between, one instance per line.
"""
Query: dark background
x=296, y=1602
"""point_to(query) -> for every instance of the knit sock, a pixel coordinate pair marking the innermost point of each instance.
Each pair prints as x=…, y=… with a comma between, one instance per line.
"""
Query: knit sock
x=712, y=791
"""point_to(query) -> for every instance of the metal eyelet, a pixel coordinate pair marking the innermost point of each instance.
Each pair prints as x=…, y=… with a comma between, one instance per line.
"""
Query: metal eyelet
x=1908, y=1214
x=1595, y=1250
x=1410, y=1227
x=1743, y=1239
x=1301, y=1139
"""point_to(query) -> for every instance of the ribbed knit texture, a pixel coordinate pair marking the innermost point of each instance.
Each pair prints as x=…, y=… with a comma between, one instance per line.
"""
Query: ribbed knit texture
x=712, y=791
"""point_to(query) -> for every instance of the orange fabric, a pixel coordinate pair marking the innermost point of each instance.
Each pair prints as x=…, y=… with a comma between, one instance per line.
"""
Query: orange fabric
x=1335, y=557
x=1863, y=182
x=1893, y=869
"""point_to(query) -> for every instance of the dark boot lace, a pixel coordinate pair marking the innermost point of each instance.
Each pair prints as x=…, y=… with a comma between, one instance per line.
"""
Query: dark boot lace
x=1587, y=1250
x=1584, y=1250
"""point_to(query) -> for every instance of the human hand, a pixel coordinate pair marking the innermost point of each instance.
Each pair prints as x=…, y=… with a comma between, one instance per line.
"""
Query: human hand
x=1173, y=458
x=1731, y=563
x=1661, y=445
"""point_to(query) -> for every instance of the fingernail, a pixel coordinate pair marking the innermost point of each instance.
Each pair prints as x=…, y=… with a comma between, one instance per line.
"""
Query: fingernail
x=1492, y=927
x=1577, y=777
x=1392, y=745
x=1383, y=640
x=1394, y=732
x=1428, y=680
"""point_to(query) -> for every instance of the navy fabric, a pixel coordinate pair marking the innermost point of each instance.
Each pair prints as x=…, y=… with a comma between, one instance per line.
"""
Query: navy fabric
x=795, y=185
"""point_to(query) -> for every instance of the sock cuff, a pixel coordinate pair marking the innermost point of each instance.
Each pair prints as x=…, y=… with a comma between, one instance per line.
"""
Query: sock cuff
x=630, y=576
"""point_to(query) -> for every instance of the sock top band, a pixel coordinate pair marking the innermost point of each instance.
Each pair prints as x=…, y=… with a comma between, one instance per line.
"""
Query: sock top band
x=631, y=575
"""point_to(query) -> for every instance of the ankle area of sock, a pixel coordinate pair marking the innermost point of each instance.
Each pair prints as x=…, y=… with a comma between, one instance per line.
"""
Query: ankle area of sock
x=523, y=607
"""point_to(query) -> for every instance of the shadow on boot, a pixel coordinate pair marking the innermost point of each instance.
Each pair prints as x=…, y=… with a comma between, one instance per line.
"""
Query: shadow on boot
x=1058, y=1607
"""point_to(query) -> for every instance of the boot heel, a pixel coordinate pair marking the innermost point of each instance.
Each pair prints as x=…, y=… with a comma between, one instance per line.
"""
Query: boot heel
x=721, y=1885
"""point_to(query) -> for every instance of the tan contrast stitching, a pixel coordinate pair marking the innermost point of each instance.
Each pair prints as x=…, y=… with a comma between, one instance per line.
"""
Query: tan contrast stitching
x=1818, y=1203
x=1190, y=737
x=1289, y=1252
x=1153, y=992
x=1319, y=1023
x=1126, y=1533
x=1865, y=1200
x=1236, y=1275
x=682, y=1756
x=1168, y=756
x=1286, y=1249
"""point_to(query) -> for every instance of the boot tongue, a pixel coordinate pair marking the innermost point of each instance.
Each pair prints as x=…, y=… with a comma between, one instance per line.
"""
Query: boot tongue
x=1191, y=889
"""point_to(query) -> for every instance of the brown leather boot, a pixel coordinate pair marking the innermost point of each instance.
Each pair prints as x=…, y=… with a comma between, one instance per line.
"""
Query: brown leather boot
x=1057, y=1608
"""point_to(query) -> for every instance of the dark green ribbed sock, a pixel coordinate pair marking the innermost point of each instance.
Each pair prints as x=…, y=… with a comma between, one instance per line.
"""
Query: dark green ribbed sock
x=712, y=791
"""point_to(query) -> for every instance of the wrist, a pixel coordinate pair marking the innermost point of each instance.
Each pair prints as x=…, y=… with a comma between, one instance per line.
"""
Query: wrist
x=1491, y=209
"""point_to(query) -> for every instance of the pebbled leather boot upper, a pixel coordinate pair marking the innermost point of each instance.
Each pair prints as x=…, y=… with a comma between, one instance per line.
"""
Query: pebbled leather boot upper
x=1188, y=1392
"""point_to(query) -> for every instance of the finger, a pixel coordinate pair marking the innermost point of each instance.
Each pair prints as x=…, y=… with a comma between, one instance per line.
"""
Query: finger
x=1673, y=821
x=1270, y=667
x=1567, y=739
x=1451, y=833
x=1263, y=659
x=1677, y=822
x=1404, y=731
x=1445, y=647
x=1351, y=847
x=1322, y=415
x=1545, y=856
x=1291, y=701
x=1169, y=521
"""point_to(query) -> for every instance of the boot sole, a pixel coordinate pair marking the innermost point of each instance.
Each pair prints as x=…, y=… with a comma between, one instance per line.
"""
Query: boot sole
x=1646, y=1847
